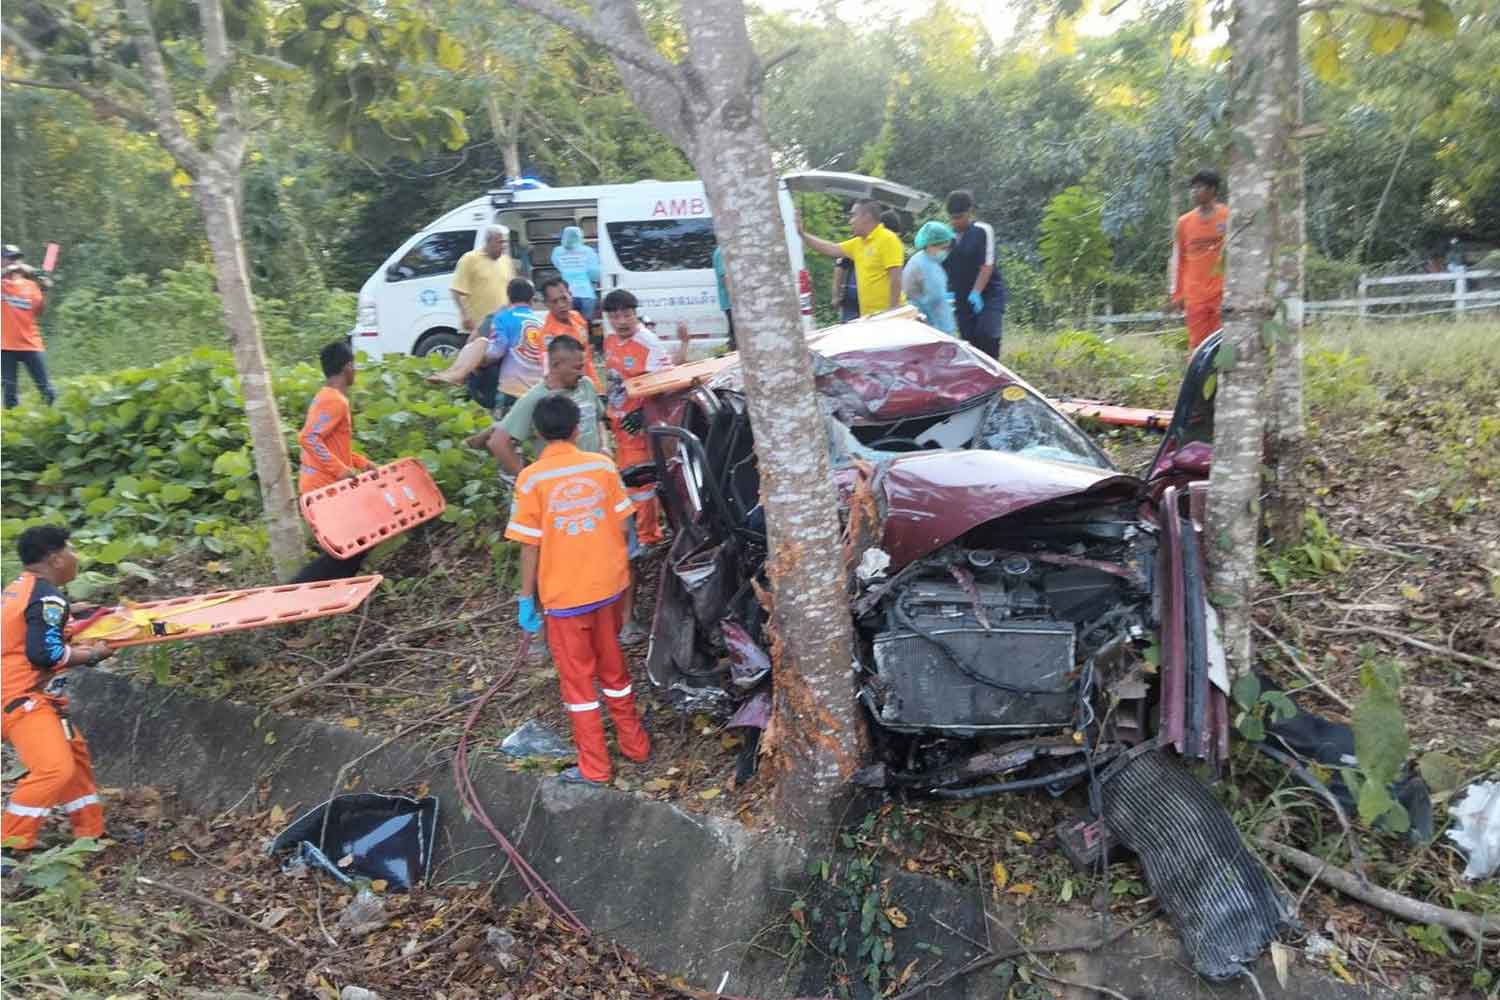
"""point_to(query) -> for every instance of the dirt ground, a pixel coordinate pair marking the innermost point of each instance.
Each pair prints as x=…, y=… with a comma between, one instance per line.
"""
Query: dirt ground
x=1402, y=562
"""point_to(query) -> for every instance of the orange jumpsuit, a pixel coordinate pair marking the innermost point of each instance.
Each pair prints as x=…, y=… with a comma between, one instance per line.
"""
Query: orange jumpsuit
x=33, y=657
x=625, y=358
x=572, y=505
x=1198, y=270
x=327, y=441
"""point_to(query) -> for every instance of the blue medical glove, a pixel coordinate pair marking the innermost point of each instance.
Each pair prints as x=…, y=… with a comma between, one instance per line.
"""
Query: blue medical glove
x=529, y=614
x=976, y=303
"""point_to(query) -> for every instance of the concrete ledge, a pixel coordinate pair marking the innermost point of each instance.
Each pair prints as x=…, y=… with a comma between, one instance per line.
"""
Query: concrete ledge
x=687, y=893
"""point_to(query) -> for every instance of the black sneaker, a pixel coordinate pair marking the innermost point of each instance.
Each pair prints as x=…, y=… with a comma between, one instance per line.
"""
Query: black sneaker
x=128, y=837
x=573, y=776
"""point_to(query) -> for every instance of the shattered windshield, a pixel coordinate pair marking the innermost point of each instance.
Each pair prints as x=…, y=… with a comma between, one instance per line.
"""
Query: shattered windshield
x=1021, y=424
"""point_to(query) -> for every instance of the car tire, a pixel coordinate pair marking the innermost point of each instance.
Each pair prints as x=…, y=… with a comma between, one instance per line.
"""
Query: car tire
x=445, y=343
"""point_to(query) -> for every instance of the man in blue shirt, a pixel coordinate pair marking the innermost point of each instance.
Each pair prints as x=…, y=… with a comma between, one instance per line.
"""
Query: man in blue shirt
x=723, y=288
x=974, y=276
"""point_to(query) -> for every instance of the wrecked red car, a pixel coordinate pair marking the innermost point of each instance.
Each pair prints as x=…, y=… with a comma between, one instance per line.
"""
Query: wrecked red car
x=1027, y=610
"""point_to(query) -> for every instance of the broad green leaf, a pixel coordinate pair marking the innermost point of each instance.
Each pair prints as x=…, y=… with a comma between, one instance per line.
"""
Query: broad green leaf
x=356, y=27
x=1323, y=56
x=1442, y=772
x=1437, y=17
x=333, y=21
x=1380, y=741
x=1246, y=691
x=1374, y=800
x=1224, y=360
x=1387, y=33
x=1282, y=707
x=232, y=463
x=449, y=54
x=114, y=552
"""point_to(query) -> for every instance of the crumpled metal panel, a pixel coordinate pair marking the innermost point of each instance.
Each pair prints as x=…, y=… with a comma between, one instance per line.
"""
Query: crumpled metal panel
x=932, y=498
x=880, y=370
x=1217, y=894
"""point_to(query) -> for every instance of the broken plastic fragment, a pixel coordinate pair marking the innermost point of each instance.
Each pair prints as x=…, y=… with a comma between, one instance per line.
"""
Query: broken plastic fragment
x=386, y=837
x=748, y=663
x=1478, y=833
x=533, y=739
x=873, y=564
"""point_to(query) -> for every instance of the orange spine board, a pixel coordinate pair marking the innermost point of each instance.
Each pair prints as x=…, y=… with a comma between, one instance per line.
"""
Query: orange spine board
x=353, y=515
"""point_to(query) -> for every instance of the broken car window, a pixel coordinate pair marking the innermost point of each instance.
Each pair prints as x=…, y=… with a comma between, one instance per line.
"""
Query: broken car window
x=1019, y=423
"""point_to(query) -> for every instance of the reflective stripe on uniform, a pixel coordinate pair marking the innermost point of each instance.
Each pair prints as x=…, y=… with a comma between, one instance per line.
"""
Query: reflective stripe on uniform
x=521, y=529
x=644, y=495
x=566, y=470
x=617, y=694
x=21, y=810
x=78, y=803
x=587, y=706
x=622, y=506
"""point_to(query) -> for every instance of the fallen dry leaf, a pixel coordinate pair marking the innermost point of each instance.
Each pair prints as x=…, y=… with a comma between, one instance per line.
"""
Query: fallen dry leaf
x=895, y=916
x=710, y=793
x=1023, y=836
x=1000, y=875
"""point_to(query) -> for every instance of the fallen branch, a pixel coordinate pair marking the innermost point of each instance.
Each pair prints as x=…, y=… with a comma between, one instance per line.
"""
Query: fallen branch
x=353, y=660
x=1102, y=990
x=1412, y=640
x=1303, y=668
x=209, y=904
x=1308, y=778
x=1404, y=907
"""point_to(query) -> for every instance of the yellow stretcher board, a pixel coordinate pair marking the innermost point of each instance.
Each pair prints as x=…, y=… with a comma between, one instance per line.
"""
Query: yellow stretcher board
x=199, y=615
x=353, y=515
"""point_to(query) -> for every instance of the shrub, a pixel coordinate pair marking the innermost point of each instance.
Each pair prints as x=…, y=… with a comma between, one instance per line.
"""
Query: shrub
x=148, y=462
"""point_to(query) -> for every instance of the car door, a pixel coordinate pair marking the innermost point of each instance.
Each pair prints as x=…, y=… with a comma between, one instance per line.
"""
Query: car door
x=858, y=186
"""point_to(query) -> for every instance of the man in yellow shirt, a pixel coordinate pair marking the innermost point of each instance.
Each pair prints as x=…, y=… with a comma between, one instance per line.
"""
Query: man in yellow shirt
x=877, y=254
x=480, y=280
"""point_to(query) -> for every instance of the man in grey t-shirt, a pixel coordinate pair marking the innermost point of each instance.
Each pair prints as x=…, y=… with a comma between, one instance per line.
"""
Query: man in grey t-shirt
x=564, y=375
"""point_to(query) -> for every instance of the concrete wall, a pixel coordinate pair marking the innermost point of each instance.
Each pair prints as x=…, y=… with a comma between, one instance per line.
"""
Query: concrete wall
x=687, y=893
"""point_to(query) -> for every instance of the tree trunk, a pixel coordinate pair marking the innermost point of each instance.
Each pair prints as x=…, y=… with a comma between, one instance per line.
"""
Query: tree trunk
x=1258, y=132
x=710, y=105
x=507, y=136
x=214, y=190
x=1289, y=432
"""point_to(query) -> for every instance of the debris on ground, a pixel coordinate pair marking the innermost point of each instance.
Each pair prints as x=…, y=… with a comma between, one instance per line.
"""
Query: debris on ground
x=382, y=837
x=533, y=738
x=1478, y=833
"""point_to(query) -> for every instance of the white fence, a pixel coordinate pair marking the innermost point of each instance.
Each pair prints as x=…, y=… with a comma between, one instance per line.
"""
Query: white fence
x=1464, y=293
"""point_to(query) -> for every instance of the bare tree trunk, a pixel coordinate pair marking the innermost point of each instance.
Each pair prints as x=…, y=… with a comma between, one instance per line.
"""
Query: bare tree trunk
x=1289, y=431
x=214, y=191
x=710, y=106
x=1258, y=132
x=507, y=136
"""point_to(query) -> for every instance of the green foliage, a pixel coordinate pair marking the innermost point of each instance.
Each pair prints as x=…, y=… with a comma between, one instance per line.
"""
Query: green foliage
x=153, y=462
x=146, y=319
x=1319, y=553
x=1381, y=746
x=1257, y=707
x=1075, y=252
x=1088, y=365
x=61, y=933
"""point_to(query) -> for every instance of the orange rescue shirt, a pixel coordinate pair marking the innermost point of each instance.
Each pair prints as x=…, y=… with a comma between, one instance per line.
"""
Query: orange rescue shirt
x=22, y=300
x=19, y=674
x=1197, y=256
x=573, y=504
x=327, y=441
x=627, y=357
x=578, y=328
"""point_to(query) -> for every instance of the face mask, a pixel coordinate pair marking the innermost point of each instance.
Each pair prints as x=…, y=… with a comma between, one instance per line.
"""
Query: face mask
x=940, y=256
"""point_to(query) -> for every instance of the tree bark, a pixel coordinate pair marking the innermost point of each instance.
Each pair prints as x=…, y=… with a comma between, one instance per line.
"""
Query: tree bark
x=1289, y=431
x=507, y=135
x=711, y=106
x=1258, y=133
x=214, y=192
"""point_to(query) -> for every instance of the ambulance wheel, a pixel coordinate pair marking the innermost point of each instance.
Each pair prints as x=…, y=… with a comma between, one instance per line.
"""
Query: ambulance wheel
x=443, y=342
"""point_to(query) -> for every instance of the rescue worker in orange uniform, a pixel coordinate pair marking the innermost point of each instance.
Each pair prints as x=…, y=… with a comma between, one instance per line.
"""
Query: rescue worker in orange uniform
x=570, y=514
x=328, y=454
x=34, y=659
x=21, y=305
x=630, y=349
x=565, y=321
x=1198, y=259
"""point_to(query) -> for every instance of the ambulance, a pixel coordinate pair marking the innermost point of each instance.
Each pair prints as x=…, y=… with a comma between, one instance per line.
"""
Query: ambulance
x=655, y=238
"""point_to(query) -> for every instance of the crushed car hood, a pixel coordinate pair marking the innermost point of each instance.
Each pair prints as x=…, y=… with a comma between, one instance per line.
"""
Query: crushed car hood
x=931, y=499
x=877, y=370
